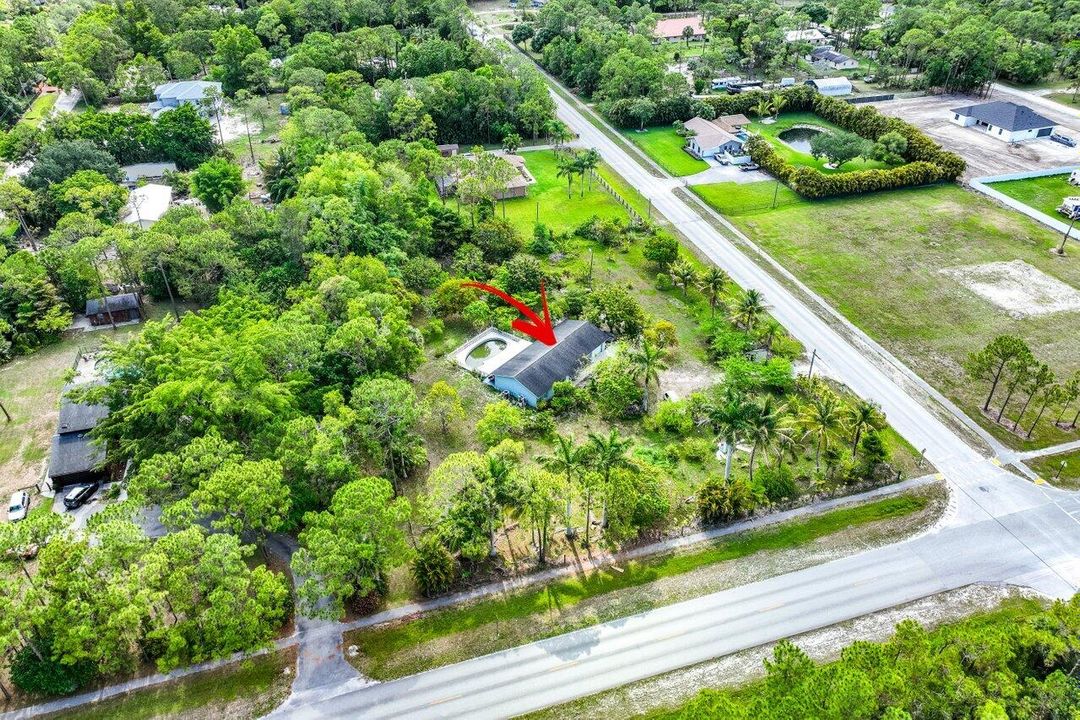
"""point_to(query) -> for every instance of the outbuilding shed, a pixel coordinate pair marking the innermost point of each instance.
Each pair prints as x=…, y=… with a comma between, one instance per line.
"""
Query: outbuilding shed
x=833, y=87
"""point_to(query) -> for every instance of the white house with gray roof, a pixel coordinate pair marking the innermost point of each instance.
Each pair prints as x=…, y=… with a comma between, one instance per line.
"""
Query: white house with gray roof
x=182, y=92
x=1004, y=120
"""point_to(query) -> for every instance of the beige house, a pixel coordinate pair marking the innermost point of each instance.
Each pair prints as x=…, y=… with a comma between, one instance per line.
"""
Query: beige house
x=671, y=28
x=723, y=137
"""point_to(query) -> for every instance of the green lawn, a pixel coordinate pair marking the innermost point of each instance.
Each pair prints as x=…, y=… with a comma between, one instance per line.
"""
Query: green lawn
x=1066, y=98
x=1041, y=193
x=664, y=146
x=786, y=121
x=248, y=689
x=731, y=198
x=39, y=109
x=548, y=200
x=878, y=260
x=487, y=625
x=1050, y=469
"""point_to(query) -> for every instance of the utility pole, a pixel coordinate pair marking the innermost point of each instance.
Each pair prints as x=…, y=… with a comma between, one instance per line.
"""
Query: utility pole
x=3, y=409
x=1073, y=217
x=1056, y=475
x=813, y=357
x=776, y=191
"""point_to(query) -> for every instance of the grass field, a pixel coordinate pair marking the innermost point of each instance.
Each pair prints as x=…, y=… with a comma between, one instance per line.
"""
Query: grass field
x=786, y=121
x=508, y=620
x=877, y=259
x=1066, y=98
x=549, y=194
x=249, y=689
x=1049, y=467
x=665, y=147
x=39, y=109
x=1041, y=193
x=732, y=198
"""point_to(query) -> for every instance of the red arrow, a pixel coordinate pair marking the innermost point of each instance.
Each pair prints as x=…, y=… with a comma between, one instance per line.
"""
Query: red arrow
x=535, y=327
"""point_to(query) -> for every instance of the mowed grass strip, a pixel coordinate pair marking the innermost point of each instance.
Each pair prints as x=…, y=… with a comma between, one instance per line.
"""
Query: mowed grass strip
x=548, y=199
x=1041, y=193
x=379, y=646
x=247, y=689
x=665, y=147
x=730, y=198
x=1051, y=470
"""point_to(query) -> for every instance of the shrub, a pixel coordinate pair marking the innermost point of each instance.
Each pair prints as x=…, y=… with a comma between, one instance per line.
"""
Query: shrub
x=500, y=421
x=873, y=453
x=662, y=249
x=433, y=568
x=696, y=450
x=46, y=675
x=567, y=398
x=727, y=342
x=777, y=483
x=616, y=392
x=422, y=273
x=671, y=416
x=720, y=501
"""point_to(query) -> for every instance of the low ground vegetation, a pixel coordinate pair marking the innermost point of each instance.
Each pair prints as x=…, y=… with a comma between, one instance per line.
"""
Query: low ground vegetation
x=665, y=146
x=1012, y=662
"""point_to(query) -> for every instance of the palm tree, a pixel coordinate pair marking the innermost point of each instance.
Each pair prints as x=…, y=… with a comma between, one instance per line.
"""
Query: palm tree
x=729, y=419
x=607, y=454
x=750, y=307
x=647, y=360
x=762, y=427
x=588, y=161
x=566, y=459
x=712, y=284
x=684, y=274
x=567, y=168
x=785, y=443
x=560, y=134
x=769, y=332
x=777, y=103
x=763, y=108
x=862, y=416
x=820, y=419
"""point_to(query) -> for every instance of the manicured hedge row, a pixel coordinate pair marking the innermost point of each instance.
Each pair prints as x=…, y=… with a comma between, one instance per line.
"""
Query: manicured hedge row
x=926, y=162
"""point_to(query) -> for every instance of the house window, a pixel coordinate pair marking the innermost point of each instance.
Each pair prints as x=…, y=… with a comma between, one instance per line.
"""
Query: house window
x=955, y=116
x=999, y=131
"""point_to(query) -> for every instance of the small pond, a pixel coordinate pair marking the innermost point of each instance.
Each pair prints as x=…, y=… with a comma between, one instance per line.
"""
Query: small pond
x=799, y=137
x=483, y=351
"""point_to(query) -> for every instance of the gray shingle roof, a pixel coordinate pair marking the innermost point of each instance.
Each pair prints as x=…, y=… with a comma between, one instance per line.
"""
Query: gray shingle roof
x=1004, y=114
x=127, y=301
x=78, y=417
x=74, y=453
x=540, y=366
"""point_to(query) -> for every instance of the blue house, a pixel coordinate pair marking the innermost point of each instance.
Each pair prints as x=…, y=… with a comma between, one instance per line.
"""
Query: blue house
x=530, y=374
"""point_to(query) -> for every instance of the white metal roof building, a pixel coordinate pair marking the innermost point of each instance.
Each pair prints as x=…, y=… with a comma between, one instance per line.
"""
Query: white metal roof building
x=152, y=171
x=147, y=204
x=831, y=86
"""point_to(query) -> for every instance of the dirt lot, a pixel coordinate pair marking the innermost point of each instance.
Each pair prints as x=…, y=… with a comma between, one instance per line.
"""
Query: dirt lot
x=984, y=154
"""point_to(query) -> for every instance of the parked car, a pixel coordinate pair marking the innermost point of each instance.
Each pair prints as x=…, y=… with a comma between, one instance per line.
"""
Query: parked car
x=78, y=495
x=17, y=508
x=1063, y=139
x=749, y=166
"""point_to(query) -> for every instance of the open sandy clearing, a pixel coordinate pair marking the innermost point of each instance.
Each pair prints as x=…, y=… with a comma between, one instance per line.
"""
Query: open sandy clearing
x=1017, y=288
